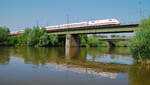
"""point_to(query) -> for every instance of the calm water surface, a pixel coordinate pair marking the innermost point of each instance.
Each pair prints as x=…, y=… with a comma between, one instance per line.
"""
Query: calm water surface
x=81, y=66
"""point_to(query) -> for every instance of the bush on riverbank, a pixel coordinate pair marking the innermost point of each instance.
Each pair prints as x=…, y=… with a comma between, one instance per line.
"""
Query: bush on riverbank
x=83, y=40
x=91, y=41
x=30, y=37
x=122, y=44
x=140, y=44
x=94, y=42
x=4, y=35
x=37, y=37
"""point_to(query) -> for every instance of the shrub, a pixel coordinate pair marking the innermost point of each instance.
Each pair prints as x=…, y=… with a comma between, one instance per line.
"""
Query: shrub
x=140, y=44
x=44, y=40
x=53, y=40
x=93, y=41
x=83, y=40
x=4, y=34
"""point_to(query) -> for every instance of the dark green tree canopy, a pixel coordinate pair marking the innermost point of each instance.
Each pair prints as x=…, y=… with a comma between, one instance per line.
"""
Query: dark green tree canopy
x=4, y=33
x=140, y=44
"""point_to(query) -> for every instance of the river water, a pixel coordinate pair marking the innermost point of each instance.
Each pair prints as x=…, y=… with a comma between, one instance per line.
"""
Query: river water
x=81, y=66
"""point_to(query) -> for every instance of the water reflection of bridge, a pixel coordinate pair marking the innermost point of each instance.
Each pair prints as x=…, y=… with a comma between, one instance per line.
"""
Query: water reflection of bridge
x=83, y=70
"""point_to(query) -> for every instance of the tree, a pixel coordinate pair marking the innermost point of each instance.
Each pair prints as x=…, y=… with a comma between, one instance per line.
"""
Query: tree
x=93, y=41
x=12, y=40
x=115, y=36
x=4, y=33
x=34, y=35
x=83, y=40
x=101, y=36
x=44, y=40
x=53, y=40
x=140, y=44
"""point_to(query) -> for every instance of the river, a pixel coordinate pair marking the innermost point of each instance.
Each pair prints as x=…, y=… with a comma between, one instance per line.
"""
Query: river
x=82, y=66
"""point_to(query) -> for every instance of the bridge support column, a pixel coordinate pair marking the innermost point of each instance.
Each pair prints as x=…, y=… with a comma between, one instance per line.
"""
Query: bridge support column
x=111, y=44
x=71, y=41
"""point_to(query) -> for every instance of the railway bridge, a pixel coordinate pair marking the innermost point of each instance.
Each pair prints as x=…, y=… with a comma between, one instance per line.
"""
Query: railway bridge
x=72, y=34
x=72, y=38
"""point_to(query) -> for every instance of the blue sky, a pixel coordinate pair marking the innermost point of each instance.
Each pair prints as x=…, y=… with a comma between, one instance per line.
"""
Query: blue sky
x=19, y=14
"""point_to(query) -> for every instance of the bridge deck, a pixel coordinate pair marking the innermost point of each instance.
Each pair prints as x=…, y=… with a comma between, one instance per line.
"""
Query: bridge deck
x=96, y=29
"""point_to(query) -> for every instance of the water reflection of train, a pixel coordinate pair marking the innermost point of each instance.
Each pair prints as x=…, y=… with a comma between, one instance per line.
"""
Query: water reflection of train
x=79, y=24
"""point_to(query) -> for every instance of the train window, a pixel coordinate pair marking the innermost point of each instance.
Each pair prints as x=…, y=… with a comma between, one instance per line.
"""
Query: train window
x=110, y=20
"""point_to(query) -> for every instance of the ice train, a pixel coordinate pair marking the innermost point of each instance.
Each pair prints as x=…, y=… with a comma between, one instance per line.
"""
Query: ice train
x=79, y=24
x=82, y=24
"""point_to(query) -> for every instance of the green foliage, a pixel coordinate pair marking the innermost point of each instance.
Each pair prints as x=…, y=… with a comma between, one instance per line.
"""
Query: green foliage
x=53, y=40
x=39, y=37
x=12, y=41
x=101, y=36
x=93, y=41
x=36, y=37
x=21, y=39
x=33, y=37
x=103, y=44
x=121, y=44
x=83, y=40
x=140, y=44
x=4, y=34
x=44, y=40
x=115, y=36
x=61, y=40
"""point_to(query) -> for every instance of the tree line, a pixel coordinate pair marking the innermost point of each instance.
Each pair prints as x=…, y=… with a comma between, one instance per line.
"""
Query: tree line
x=40, y=38
x=31, y=37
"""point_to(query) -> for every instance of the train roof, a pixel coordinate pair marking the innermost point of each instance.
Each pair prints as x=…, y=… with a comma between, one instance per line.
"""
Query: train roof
x=78, y=23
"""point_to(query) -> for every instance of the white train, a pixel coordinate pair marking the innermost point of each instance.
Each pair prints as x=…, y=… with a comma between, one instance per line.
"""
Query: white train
x=17, y=32
x=82, y=24
x=79, y=24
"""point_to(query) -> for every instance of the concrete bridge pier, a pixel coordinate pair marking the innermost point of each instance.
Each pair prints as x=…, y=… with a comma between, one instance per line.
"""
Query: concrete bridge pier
x=71, y=41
